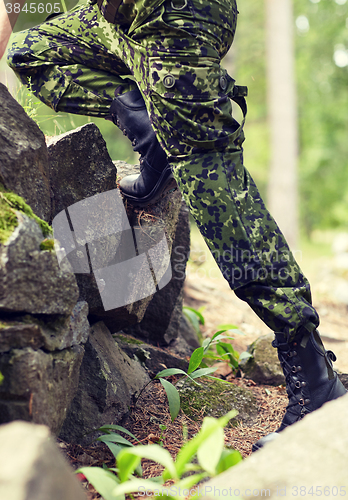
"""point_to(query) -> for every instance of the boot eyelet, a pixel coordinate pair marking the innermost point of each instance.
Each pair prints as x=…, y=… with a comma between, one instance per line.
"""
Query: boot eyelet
x=118, y=123
x=124, y=131
x=134, y=143
x=298, y=384
x=301, y=402
x=296, y=369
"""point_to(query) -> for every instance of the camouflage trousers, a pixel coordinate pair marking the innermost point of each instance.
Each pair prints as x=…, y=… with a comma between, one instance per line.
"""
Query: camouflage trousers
x=78, y=63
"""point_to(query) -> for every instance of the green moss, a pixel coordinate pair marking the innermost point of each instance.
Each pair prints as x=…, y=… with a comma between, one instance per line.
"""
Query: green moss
x=47, y=244
x=9, y=203
x=127, y=340
x=215, y=398
x=6, y=325
x=8, y=220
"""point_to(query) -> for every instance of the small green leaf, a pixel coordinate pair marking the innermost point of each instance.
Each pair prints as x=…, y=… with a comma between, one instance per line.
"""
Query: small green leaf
x=224, y=348
x=228, y=326
x=103, y=481
x=195, y=359
x=202, y=372
x=114, y=438
x=173, y=398
x=197, y=313
x=151, y=452
x=245, y=355
x=194, y=317
x=227, y=460
x=139, y=486
x=126, y=465
x=223, y=421
x=106, y=428
x=221, y=336
x=170, y=371
x=209, y=452
x=219, y=379
x=187, y=483
x=114, y=448
x=220, y=332
x=206, y=343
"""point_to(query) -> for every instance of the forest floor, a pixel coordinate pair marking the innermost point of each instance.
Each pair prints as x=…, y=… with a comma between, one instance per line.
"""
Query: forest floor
x=206, y=289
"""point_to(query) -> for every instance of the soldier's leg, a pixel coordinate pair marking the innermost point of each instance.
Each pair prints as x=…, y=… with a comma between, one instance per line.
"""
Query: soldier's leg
x=175, y=59
x=187, y=94
x=74, y=63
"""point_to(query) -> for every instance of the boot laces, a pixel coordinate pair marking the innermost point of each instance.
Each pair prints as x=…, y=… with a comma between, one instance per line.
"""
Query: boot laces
x=294, y=385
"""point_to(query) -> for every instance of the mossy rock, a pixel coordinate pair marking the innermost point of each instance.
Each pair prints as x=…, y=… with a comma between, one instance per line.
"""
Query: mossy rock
x=127, y=339
x=10, y=203
x=264, y=366
x=215, y=398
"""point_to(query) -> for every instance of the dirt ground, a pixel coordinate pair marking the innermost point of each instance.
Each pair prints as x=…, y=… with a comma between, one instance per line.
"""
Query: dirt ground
x=206, y=289
x=151, y=411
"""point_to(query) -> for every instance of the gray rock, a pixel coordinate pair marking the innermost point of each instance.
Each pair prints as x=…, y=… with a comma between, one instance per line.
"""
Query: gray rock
x=52, y=333
x=23, y=156
x=308, y=460
x=15, y=334
x=108, y=381
x=39, y=386
x=153, y=358
x=215, y=398
x=30, y=279
x=264, y=366
x=32, y=467
x=80, y=166
x=162, y=318
x=188, y=333
x=148, y=239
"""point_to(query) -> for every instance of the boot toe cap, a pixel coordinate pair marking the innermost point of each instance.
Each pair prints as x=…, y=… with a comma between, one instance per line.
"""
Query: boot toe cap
x=264, y=440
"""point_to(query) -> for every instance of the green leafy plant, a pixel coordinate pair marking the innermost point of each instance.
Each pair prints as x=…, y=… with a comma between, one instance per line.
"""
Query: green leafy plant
x=161, y=438
x=197, y=367
x=195, y=317
x=224, y=350
x=115, y=442
x=207, y=447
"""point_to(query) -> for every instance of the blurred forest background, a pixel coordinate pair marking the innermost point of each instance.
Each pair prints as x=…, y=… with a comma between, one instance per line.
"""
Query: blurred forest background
x=320, y=35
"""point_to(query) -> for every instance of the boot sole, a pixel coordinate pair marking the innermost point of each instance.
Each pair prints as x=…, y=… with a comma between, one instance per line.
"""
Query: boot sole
x=165, y=184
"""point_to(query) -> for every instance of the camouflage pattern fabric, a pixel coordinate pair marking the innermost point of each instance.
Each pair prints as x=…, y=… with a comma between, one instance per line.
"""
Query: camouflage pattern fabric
x=78, y=62
x=128, y=12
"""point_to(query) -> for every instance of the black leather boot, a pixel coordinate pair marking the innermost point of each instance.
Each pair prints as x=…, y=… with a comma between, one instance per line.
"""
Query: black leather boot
x=129, y=113
x=310, y=379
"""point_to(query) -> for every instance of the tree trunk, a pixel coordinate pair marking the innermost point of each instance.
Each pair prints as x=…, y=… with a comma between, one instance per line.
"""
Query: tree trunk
x=282, y=188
